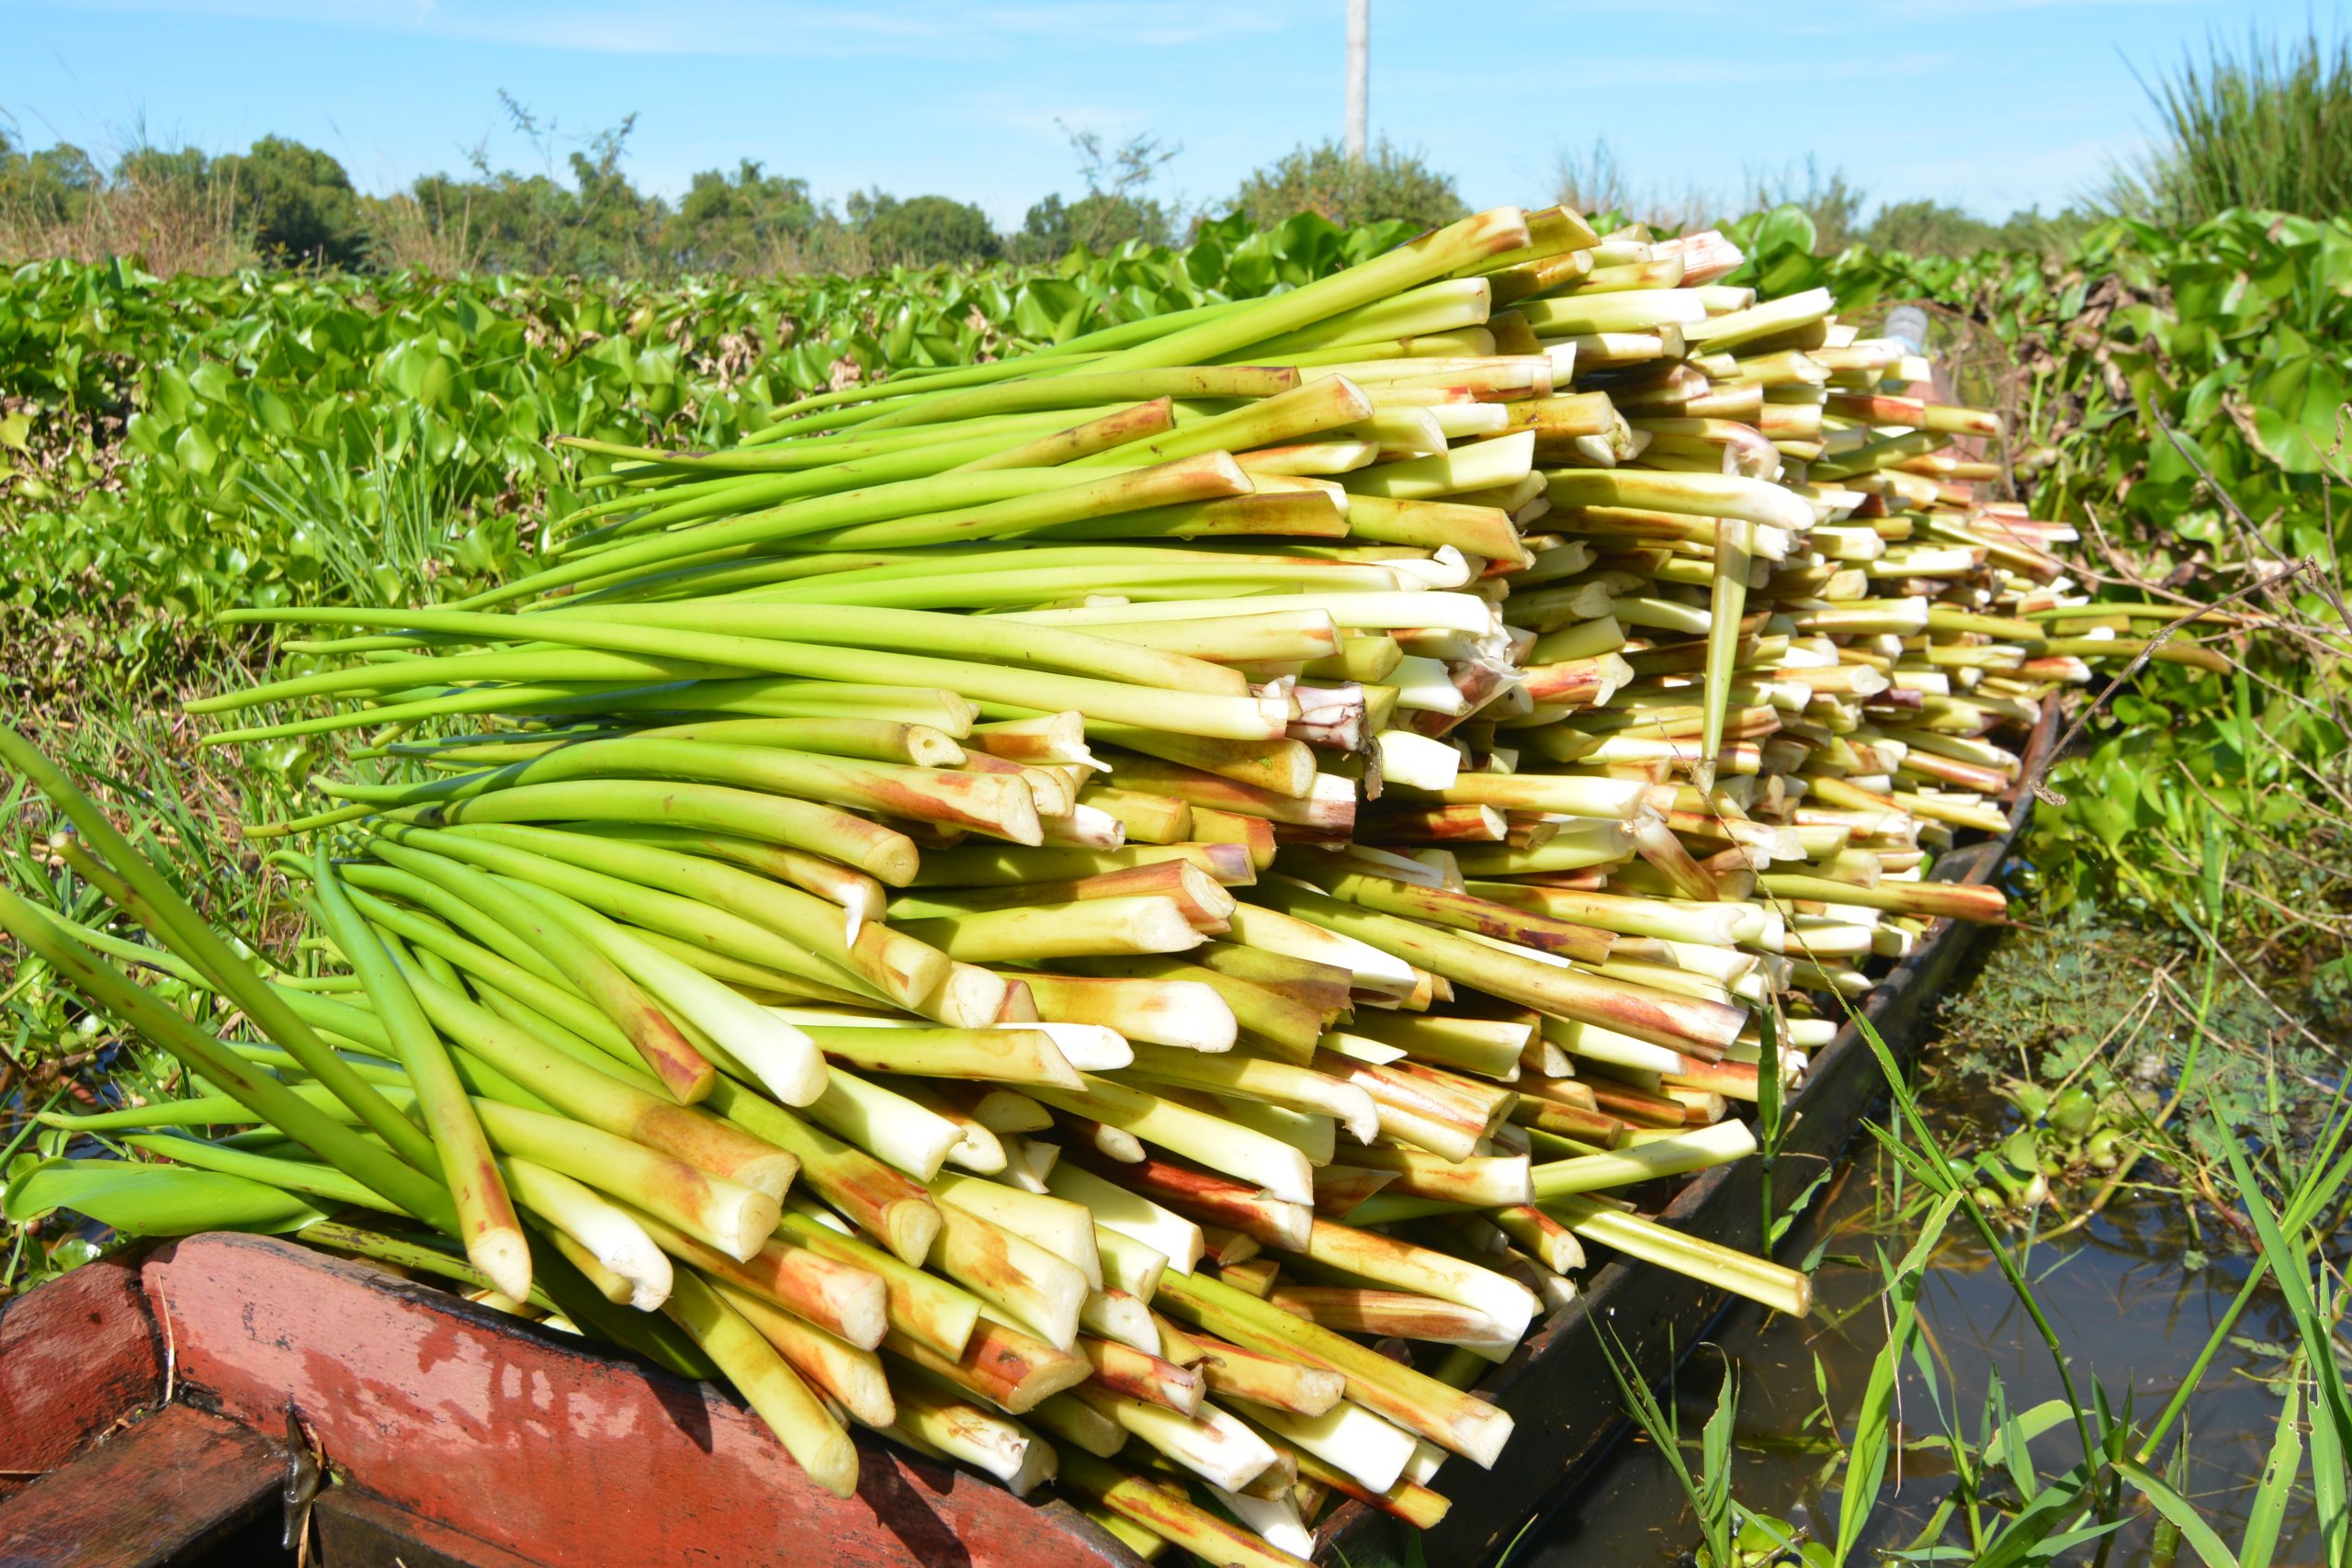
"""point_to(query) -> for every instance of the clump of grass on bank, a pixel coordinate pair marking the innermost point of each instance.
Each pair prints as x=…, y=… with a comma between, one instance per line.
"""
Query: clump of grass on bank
x=2270, y=127
x=2267, y=127
x=181, y=804
x=1943, y=1462
x=174, y=225
x=181, y=801
x=2010, y=1485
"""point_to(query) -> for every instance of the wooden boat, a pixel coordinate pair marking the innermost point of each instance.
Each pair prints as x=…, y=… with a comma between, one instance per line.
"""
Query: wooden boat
x=171, y=1405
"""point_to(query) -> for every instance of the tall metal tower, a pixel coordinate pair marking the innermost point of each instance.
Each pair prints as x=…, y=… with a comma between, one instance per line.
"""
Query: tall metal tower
x=1359, y=73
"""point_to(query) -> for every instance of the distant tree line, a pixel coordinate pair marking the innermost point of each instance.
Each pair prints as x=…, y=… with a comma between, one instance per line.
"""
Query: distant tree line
x=282, y=203
x=2269, y=127
x=1591, y=179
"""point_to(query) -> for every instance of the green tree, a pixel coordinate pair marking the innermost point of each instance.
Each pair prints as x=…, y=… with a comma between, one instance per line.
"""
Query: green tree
x=1115, y=208
x=1935, y=228
x=298, y=202
x=923, y=230
x=158, y=168
x=747, y=223
x=1928, y=228
x=48, y=187
x=535, y=223
x=1096, y=222
x=509, y=221
x=611, y=227
x=1387, y=183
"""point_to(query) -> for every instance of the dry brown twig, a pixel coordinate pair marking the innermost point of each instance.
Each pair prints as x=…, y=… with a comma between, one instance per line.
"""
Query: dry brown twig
x=2041, y=789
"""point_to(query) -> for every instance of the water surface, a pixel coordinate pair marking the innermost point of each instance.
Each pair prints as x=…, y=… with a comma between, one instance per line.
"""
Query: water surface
x=2130, y=1315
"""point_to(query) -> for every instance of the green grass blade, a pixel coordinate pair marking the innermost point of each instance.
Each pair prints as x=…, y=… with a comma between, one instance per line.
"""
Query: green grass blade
x=1768, y=1111
x=1867, y=1454
x=155, y=1200
x=2332, y=1427
x=2270, y=1499
x=1715, y=1452
x=2180, y=1513
x=2010, y=1445
x=156, y=906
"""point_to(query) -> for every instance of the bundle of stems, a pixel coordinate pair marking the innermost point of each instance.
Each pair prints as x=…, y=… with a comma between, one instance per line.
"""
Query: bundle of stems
x=1040, y=908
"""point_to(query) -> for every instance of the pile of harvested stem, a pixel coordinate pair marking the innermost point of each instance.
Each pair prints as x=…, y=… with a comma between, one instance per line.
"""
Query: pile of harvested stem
x=1124, y=917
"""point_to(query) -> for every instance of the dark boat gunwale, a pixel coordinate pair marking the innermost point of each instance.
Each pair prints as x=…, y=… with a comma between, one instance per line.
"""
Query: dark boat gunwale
x=1557, y=1385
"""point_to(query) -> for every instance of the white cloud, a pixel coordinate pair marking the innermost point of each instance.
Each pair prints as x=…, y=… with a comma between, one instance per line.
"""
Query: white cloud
x=1623, y=73
x=1970, y=11
x=933, y=28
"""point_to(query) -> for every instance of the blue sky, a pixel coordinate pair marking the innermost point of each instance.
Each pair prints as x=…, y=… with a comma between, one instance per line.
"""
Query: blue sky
x=1992, y=104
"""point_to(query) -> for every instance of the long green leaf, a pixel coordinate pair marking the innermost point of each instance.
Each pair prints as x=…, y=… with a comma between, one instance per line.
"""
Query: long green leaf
x=155, y=1200
x=2180, y=1512
x=2033, y=1534
x=1931, y=1157
x=2331, y=1431
x=153, y=901
x=292, y=1176
x=1715, y=1451
x=1768, y=1111
x=2269, y=1510
x=270, y=1101
x=1866, y=1456
x=2010, y=1445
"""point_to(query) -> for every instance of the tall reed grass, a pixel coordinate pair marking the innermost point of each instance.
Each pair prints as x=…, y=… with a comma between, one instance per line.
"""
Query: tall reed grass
x=2003, y=1503
x=169, y=225
x=2269, y=127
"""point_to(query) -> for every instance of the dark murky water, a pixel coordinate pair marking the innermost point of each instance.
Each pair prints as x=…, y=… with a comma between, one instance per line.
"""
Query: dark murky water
x=2130, y=1316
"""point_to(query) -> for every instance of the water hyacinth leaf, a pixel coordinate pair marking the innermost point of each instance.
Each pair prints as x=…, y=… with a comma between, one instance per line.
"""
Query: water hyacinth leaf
x=139, y=1198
